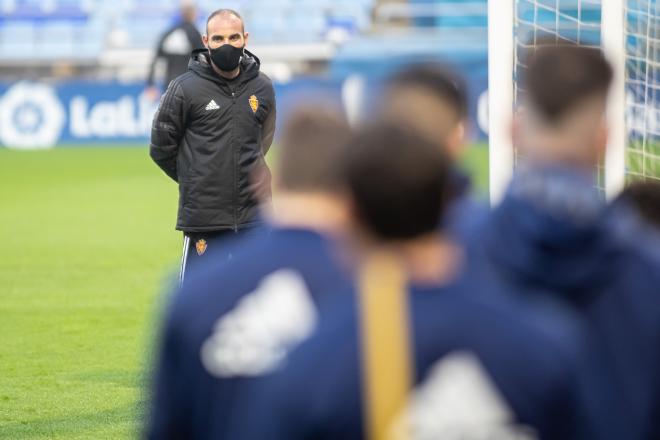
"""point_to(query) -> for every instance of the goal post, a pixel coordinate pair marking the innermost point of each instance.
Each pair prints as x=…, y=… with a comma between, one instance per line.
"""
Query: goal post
x=500, y=95
x=613, y=43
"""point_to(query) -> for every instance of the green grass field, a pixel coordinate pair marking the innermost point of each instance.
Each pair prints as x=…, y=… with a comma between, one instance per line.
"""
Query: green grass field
x=87, y=249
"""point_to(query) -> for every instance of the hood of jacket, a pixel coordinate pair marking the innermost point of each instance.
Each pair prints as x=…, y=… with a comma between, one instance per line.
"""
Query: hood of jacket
x=551, y=231
x=200, y=64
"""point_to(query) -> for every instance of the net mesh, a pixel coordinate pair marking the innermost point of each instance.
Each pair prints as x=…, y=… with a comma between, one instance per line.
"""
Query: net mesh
x=579, y=21
x=643, y=89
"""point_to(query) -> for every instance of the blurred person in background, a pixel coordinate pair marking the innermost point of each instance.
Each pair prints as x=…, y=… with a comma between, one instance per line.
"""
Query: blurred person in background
x=210, y=134
x=553, y=243
x=481, y=369
x=644, y=198
x=174, y=49
x=432, y=99
x=233, y=322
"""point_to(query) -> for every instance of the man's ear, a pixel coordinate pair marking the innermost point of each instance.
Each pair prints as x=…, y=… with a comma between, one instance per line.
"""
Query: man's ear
x=456, y=141
x=205, y=40
x=246, y=36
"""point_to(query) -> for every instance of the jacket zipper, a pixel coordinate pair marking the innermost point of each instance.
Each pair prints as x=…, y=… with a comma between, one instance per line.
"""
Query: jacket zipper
x=233, y=100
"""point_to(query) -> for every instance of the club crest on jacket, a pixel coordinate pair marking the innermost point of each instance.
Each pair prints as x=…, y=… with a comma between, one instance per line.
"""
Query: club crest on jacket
x=254, y=103
x=200, y=246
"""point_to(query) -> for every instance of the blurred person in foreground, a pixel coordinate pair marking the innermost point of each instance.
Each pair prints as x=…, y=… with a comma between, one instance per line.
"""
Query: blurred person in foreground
x=480, y=369
x=235, y=321
x=174, y=49
x=553, y=242
x=644, y=198
x=432, y=99
x=210, y=134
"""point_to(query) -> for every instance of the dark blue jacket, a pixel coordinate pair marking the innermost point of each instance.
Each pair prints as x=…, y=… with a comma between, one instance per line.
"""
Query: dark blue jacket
x=553, y=241
x=234, y=322
x=528, y=367
x=465, y=214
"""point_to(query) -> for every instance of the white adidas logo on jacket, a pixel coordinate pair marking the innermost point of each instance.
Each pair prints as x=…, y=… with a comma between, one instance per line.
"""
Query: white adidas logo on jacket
x=212, y=105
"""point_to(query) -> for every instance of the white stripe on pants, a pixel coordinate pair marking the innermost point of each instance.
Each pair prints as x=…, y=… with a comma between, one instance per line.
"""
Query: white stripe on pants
x=184, y=258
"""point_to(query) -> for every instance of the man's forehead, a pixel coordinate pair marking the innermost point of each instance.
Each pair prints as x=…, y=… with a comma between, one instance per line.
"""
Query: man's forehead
x=225, y=24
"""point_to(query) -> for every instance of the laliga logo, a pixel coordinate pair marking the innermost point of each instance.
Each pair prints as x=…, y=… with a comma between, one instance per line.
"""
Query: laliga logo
x=31, y=116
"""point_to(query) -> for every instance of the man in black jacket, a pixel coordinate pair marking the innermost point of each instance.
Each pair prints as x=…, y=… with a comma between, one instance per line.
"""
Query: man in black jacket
x=174, y=49
x=212, y=129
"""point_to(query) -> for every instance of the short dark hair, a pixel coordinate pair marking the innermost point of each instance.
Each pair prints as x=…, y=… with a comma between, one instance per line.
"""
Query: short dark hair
x=311, y=149
x=644, y=196
x=560, y=75
x=224, y=12
x=399, y=181
x=439, y=80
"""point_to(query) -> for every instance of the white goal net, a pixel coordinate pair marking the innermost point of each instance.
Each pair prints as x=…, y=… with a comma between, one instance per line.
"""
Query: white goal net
x=642, y=32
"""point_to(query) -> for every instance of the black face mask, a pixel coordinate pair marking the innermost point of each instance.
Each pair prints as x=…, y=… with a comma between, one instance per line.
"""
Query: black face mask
x=226, y=57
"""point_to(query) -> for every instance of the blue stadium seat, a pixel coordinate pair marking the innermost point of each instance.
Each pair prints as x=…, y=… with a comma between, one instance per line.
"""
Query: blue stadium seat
x=265, y=27
x=79, y=27
x=91, y=38
x=145, y=31
x=17, y=39
x=57, y=39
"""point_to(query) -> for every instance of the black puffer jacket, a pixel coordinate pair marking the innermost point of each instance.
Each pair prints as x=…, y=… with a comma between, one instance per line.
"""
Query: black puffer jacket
x=210, y=135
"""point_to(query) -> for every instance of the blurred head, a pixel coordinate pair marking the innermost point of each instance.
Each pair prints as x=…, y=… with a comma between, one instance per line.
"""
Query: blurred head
x=398, y=182
x=432, y=100
x=188, y=11
x=563, y=118
x=311, y=148
x=645, y=198
x=308, y=181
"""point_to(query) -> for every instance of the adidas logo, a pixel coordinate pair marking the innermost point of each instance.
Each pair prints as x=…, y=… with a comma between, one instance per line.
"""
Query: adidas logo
x=212, y=105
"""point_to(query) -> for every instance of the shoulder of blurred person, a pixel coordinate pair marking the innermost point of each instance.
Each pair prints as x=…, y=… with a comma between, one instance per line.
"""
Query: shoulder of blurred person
x=234, y=321
x=479, y=366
